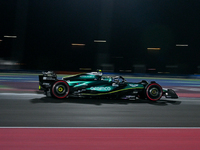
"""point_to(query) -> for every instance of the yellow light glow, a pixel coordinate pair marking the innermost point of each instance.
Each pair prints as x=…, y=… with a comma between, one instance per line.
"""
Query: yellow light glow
x=100, y=41
x=157, y=49
x=1, y=40
x=10, y=36
x=76, y=44
x=182, y=45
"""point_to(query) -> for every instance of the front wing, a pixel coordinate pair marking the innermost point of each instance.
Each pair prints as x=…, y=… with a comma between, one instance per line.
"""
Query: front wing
x=169, y=93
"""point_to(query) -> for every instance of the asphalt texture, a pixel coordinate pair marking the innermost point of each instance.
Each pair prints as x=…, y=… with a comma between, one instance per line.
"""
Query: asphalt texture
x=29, y=120
x=22, y=106
x=35, y=110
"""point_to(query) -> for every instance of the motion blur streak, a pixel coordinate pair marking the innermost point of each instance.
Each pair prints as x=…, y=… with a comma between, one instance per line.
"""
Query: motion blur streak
x=85, y=138
x=153, y=48
x=76, y=44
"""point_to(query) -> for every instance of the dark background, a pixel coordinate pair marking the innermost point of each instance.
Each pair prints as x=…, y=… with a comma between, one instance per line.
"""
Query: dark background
x=45, y=32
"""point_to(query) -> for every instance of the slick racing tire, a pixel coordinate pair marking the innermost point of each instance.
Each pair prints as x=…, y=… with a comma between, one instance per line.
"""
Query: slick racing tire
x=154, y=92
x=60, y=89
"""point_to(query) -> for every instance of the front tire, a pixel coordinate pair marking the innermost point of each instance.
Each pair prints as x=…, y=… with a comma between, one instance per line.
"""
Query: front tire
x=154, y=92
x=60, y=89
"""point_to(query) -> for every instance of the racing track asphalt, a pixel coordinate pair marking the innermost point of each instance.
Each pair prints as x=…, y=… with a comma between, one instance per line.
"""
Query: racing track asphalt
x=21, y=107
x=35, y=110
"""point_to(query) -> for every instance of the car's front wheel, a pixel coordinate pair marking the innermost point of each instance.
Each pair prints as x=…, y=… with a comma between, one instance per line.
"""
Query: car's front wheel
x=60, y=89
x=154, y=92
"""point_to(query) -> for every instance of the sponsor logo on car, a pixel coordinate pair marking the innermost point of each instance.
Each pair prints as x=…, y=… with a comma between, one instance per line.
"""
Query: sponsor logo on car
x=86, y=76
x=100, y=88
x=133, y=85
x=48, y=78
x=46, y=84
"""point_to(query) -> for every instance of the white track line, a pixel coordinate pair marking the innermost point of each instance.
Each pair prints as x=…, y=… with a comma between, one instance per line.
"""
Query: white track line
x=21, y=94
x=181, y=99
x=100, y=127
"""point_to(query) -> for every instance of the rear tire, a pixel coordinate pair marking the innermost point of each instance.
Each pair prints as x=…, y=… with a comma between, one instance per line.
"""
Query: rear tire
x=154, y=92
x=60, y=89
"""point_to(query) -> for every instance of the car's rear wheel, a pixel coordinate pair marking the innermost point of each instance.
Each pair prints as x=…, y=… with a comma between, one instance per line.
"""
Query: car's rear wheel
x=60, y=89
x=154, y=92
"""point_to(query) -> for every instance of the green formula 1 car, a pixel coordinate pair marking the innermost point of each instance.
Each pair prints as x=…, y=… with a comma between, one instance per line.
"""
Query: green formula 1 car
x=93, y=84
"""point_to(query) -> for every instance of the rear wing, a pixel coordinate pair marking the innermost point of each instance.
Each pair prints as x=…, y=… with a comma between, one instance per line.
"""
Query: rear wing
x=47, y=79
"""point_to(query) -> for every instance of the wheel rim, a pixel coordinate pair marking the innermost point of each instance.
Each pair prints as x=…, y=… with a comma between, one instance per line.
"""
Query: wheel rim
x=154, y=92
x=60, y=89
